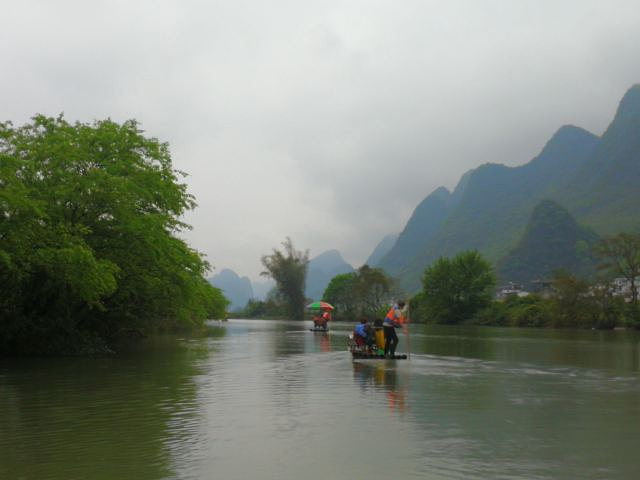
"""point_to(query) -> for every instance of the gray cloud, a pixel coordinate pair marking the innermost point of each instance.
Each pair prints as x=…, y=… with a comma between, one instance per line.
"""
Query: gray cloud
x=324, y=121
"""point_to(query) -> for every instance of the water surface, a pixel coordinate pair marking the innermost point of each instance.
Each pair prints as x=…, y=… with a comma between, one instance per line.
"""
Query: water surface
x=268, y=399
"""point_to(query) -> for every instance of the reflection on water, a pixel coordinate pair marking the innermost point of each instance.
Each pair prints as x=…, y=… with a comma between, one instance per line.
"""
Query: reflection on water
x=379, y=378
x=274, y=400
x=96, y=418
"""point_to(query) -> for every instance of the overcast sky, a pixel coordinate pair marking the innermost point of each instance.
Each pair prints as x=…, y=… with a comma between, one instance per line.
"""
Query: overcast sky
x=325, y=121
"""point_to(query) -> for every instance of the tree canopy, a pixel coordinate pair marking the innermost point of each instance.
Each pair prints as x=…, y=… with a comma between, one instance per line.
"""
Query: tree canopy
x=454, y=289
x=89, y=217
x=363, y=292
x=289, y=270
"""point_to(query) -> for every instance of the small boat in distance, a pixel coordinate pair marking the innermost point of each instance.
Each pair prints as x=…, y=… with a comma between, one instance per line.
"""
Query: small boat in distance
x=321, y=312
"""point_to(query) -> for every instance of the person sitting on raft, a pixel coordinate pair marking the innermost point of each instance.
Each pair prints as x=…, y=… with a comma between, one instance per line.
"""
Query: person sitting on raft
x=378, y=332
x=363, y=334
x=320, y=321
x=393, y=320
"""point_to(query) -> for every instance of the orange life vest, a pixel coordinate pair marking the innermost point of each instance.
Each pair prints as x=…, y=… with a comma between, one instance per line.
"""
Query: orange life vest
x=391, y=316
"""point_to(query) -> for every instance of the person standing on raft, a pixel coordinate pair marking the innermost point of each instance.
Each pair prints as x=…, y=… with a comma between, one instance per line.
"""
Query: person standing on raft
x=393, y=320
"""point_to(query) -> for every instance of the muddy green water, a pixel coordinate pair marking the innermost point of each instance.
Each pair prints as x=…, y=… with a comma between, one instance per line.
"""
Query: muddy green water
x=272, y=400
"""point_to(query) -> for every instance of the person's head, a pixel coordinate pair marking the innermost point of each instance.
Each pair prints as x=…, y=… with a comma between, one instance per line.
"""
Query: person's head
x=363, y=319
x=401, y=303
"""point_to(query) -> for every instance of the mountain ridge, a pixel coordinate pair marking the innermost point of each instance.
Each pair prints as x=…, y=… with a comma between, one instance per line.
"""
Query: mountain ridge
x=238, y=290
x=321, y=270
x=594, y=178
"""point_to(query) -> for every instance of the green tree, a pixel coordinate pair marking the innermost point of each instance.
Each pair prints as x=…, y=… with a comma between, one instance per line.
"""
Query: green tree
x=571, y=302
x=372, y=288
x=89, y=217
x=609, y=308
x=363, y=292
x=455, y=289
x=269, y=308
x=289, y=270
x=339, y=293
x=620, y=254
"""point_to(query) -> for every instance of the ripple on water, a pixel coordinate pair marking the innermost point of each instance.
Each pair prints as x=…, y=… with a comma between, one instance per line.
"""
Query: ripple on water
x=275, y=401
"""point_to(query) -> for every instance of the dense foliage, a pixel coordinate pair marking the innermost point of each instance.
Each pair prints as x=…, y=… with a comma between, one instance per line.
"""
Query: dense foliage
x=271, y=308
x=569, y=302
x=289, y=270
x=365, y=292
x=574, y=304
x=620, y=255
x=88, y=249
x=454, y=289
x=339, y=294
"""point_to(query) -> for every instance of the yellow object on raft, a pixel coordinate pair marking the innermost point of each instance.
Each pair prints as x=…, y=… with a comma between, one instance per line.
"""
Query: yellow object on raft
x=380, y=338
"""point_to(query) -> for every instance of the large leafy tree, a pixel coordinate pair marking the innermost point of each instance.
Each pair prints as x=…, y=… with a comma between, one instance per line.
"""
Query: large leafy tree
x=454, y=289
x=363, y=292
x=289, y=270
x=89, y=217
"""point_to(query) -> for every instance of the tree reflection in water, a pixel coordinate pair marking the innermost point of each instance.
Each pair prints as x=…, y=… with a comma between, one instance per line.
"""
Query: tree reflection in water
x=99, y=418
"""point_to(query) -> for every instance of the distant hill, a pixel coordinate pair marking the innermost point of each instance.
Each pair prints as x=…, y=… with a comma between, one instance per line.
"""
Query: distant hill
x=237, y=289
x=381, y=249
x=261, y=288
x=552, y=240
x=425, y=223
x=604, y=193
x=595, y=178
x=321, y=270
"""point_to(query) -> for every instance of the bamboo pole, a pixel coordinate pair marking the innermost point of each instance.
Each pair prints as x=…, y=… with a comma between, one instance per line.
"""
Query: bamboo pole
x=408, y=325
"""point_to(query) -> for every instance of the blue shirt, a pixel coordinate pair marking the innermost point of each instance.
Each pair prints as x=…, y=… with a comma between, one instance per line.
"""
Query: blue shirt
x=360, y=330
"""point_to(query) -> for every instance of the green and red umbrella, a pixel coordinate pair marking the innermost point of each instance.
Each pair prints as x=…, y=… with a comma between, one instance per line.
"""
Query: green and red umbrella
x=320, y=306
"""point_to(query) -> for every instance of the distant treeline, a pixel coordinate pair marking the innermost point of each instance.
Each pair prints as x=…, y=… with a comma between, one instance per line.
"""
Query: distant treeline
x=363, y=293
x=89, y=253
x=461, y=290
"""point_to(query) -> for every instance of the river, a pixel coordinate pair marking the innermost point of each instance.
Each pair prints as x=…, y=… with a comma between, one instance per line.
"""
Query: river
x=272, y=400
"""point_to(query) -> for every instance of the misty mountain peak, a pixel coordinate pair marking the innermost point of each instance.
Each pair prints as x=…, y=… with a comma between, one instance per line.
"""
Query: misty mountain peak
x=322, y=269
x=237, y=289
x=328, y=258
x=552, y=240
x=227, y=273
x=568, y=137
x=630, y=104
x=385, y=245
x=547, y=209
x=442, y=193
x=627, y=120
x=570, y=134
